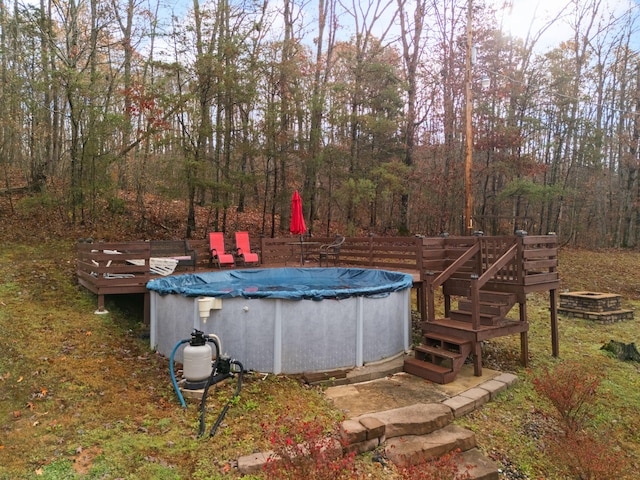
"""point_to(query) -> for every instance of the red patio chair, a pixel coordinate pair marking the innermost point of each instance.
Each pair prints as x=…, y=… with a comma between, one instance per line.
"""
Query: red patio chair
x=243, y=249
x=216, y=249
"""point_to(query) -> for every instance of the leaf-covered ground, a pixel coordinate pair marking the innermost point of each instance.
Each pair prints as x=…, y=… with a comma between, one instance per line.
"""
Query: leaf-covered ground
x=609, y=271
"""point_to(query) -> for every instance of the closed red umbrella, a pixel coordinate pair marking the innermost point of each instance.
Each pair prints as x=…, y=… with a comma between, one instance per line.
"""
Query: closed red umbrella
x=297, y=226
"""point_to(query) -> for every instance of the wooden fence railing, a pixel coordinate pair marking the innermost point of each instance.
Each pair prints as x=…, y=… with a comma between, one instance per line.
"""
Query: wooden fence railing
x=371, y=252
x=106, y=268
x=535, y=259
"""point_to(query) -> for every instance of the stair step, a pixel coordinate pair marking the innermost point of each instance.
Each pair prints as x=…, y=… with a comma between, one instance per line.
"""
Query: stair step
x=465, y=304
x=503, y=298
x=437, y=356
x=416, y=419
x=464, y=316
x=429, y=371
x=422, y=364
x=416, y=449
x=436, y=352
x=447, y=325
x=446, y=343
x=444, y=339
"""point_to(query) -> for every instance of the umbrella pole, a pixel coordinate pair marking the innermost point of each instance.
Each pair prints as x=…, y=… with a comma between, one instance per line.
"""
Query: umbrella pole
x=301, y=252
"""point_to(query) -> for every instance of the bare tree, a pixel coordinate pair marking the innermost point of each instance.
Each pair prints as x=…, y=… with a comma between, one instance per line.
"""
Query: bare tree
x=322, y=71
x=412, y=49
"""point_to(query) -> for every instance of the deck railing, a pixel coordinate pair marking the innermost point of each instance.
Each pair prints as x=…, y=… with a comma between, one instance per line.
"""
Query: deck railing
x=534, y=260
x=370, y=252
x=113, y=268
x=105, y=268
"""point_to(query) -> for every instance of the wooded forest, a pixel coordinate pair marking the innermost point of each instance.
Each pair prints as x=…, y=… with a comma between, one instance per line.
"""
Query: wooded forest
x=360, y=105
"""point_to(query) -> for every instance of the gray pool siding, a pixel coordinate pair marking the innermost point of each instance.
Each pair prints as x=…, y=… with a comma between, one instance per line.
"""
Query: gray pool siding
x=290, y=336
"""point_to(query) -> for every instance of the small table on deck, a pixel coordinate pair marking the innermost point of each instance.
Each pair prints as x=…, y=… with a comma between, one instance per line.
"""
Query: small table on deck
x=305, y=249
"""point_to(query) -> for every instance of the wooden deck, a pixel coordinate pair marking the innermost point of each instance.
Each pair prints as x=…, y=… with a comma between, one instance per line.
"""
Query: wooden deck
x=105, y=268
x=488, y=275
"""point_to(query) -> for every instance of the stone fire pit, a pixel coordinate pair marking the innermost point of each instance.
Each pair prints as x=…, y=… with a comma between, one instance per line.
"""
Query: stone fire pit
x=599, y=307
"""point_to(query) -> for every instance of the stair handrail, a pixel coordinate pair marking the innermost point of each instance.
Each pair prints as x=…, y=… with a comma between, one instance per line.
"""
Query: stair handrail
x=477, y=282
x=433, y=283
x=451, y=269
x=505, y=258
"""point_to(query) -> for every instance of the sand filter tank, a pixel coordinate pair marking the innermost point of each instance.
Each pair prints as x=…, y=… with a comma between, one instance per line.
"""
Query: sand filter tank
x=197, y=364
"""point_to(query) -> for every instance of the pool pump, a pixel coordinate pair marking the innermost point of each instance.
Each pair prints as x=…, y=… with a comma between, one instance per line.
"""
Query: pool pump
x=200, y=372
x=196, y=365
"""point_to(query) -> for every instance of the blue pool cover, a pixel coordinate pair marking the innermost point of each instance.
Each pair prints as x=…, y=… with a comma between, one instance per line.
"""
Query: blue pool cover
x=289, y=283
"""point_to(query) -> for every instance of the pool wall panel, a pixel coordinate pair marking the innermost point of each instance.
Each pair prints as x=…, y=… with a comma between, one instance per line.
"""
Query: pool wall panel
x=290, y=336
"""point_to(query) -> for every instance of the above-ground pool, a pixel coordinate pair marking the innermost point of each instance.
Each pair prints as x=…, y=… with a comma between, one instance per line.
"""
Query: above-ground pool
x=288, y=320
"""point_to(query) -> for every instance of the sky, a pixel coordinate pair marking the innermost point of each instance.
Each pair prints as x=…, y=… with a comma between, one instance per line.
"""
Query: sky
x=517, y=17
x=520, y=17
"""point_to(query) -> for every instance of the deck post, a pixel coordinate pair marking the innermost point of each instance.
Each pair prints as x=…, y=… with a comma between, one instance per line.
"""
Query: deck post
x=421, y=305
x=430, y=294
x=555, y=344
x=524, y=337
x=475, y=302
x=447, y=304
x=477, y=358
x=475, y=325
x=101, y=308
x=146, y=309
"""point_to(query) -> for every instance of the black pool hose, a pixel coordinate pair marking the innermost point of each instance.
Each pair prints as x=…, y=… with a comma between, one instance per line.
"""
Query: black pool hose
x=226, y=407
x=210, y=381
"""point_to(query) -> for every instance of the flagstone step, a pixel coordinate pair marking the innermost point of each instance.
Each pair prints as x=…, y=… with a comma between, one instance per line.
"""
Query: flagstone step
x=415, y=449
x=417, y=433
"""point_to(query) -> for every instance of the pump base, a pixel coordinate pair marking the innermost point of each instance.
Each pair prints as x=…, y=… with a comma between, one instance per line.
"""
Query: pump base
x=192, y=394
x=191, y=385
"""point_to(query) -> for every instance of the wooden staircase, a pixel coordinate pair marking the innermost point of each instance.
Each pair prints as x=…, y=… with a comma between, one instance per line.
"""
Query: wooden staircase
x=439, y=358
x=448, y=342
x=494, y=307
x=488, y=276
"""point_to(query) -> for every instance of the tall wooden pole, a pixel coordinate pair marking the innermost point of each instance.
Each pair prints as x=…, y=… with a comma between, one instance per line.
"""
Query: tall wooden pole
x=468, y=194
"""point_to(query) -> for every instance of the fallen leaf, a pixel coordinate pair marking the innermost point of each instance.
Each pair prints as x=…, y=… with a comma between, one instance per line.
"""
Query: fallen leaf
x=30, y=405
x=20, y=379
x=89, y=334
x=39, y=471
x=17, y=414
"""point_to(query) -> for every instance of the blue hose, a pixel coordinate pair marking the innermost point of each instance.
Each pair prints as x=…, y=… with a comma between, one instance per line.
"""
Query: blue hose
x=173, y=374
